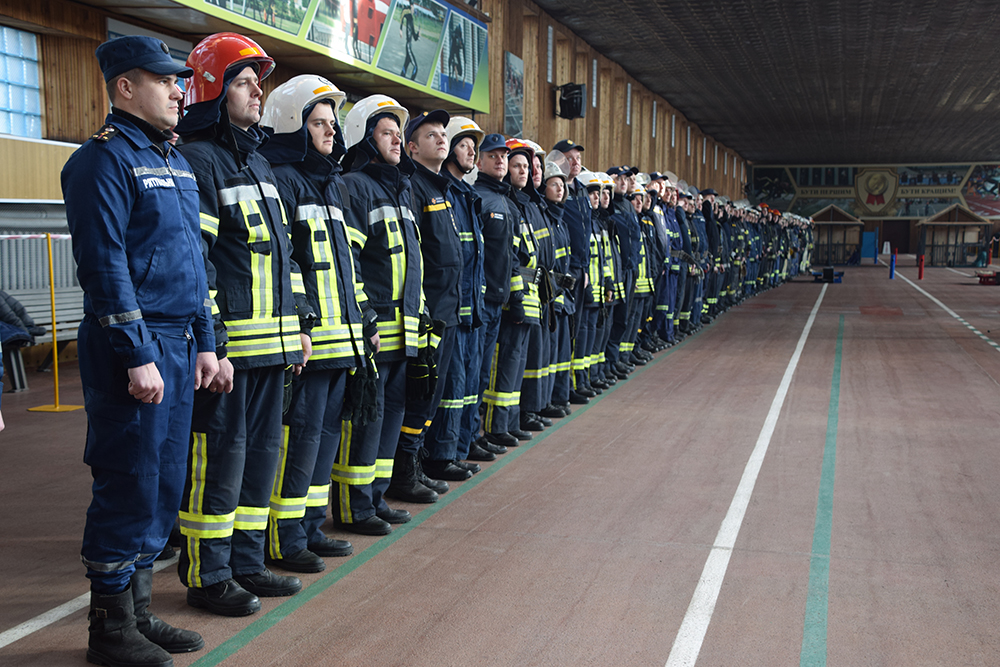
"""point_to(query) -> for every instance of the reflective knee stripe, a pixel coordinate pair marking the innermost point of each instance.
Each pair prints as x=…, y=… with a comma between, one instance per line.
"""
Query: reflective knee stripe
x=287, y=508
x=451, y=404
x=502, y=398
x=318, y=496
x=409, y=430
x=207, y=526
x=108, y=567
x=383, y=468
x=352, y=475
x=251, y=518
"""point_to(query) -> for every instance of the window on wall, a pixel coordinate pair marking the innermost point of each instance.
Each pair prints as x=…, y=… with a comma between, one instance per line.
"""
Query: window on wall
x=20, y=91
x=654, y=119
x=628, y=103
x=689, y=141
x=549, y=54
x=593, y=84
x=704, y=150
x=673, y=131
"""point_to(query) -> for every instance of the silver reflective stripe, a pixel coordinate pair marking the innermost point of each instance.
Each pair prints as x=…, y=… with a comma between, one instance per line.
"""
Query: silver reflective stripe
x=162, y=171
x=209, y=303
x=121, y=318
x=310, y=212
x=203, y=526
x=108, y=567
x=238, y=193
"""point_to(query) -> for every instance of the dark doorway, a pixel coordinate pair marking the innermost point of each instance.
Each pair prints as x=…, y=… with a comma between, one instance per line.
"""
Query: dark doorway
x=897, y=233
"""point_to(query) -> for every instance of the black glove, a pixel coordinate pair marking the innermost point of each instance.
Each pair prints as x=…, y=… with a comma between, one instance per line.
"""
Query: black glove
x=361, y=392
x=421, y=371
x=565, y=281
x=515, y=310
x=286, y=397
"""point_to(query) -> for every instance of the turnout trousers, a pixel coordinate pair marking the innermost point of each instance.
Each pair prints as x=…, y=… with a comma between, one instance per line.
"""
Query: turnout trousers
x=420, y=413
x=536, y=370
x=468, y=427
x=443, y=438
x=137, y=453
x=560, y=355
x=488, y=335
x=507, y=363
x=363, y=467
x=308, y=447
x=234, y=449
x=618, y=332
x=583, y=345
x=666, y=297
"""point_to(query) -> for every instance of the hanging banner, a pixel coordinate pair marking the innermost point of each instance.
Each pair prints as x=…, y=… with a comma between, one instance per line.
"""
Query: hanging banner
x=422, y=44
x=879, y=191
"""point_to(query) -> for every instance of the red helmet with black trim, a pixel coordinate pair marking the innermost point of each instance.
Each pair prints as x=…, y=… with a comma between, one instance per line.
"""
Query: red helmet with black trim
x=213, y=56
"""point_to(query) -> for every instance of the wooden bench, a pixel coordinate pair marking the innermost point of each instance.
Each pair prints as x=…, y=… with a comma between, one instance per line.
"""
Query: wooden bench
x=69, y=313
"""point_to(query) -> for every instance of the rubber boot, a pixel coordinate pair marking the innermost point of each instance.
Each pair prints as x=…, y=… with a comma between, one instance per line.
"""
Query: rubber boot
x=114, y=639
x=167, y=637
x=404, y=485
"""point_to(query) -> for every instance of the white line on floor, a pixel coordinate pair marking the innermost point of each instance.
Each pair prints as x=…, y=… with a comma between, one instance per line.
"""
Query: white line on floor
x=689, y=638
x=951, y=312
x=967, y=275
x=35, y=624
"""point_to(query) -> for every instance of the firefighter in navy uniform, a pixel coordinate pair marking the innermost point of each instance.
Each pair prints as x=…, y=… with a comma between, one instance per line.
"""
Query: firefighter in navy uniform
x=499, y=216
x=146, y=341
x=262, y=320
x=535, y=391
x=386, y=241
x=453, y=422
x=523, y=309
x=305, y=147
x=432, y=203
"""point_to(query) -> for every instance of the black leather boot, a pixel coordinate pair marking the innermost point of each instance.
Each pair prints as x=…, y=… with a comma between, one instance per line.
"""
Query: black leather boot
x=167, y=637
x=114, y=639
x=405, y=485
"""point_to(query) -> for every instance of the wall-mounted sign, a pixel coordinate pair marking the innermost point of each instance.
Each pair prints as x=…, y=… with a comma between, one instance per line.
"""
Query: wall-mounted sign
x=879, y=191
x=423, y=44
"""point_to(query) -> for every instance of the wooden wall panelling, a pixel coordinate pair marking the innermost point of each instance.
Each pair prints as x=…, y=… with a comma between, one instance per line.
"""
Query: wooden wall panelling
x=565, y=53
x=602, y=157
x=533, y=74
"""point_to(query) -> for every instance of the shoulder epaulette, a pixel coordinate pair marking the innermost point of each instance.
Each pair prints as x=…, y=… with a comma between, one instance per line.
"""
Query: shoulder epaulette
x=105, y=133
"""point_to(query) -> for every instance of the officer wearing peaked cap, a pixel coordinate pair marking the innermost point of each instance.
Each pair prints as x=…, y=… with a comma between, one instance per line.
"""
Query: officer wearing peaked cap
x=145, y=342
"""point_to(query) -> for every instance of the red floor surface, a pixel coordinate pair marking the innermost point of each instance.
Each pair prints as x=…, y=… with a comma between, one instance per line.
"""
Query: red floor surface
x=585, y=546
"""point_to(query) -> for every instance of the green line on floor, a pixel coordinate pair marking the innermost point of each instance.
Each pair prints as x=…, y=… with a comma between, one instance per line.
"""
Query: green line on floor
x=272, y=618
x=817, y=603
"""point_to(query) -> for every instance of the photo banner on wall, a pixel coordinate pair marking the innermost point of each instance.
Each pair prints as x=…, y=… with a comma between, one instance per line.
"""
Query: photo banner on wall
x=422, y=44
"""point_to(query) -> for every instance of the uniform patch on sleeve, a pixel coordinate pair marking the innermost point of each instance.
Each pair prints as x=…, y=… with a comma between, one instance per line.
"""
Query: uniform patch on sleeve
x=105, y=133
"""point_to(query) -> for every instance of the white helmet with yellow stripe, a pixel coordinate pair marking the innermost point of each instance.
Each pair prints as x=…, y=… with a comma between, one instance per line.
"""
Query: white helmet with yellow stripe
x=357, y=118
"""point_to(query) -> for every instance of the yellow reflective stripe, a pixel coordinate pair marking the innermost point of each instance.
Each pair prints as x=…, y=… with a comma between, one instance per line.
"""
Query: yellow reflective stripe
x=536, y=373
x=287, y=508
x=358, y=237
x=452, y=403
x=197, y=467
x=207, y=526
x=501, y=399
x=354, y=475
x=466, y=237
x=251, y=518
x=209, y=224
x=409, y=430
x=383, y=468
x=318, y=496
x=437, y=207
